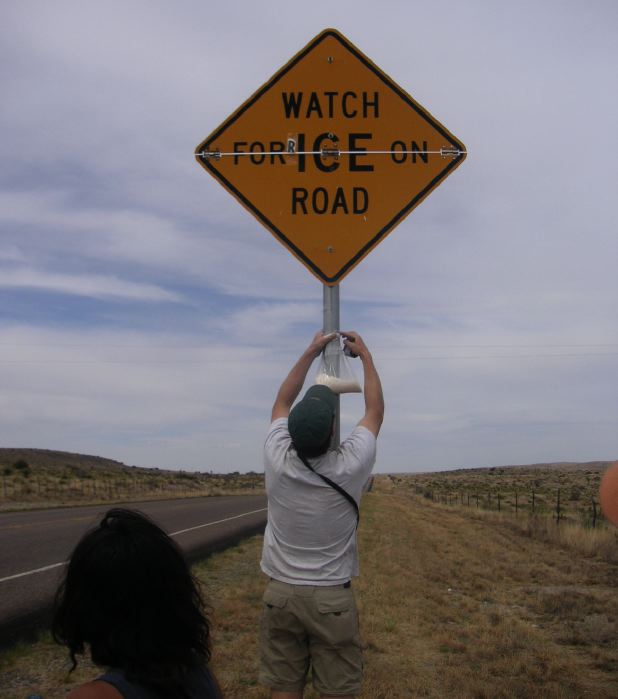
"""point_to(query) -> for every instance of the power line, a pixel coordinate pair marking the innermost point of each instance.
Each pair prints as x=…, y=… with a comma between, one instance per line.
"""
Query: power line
x=202, y=347
x=410, y=358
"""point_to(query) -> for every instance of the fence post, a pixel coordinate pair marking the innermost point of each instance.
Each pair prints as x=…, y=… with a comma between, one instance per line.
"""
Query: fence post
x=558, y=507
x=594, y=514
x=499, y=509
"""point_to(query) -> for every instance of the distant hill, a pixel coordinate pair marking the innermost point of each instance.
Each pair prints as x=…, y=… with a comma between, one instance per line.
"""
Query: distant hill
x=43, y=477
x=562, y=466
x=46, y=459
x=50, y=460
x=552, y=466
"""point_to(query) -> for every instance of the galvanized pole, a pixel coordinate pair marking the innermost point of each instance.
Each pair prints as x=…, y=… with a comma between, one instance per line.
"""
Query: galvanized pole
x=331, y=324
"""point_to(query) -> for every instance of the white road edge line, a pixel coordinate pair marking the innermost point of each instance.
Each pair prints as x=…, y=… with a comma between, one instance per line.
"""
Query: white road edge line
x=210, y=524
x=32, y=572
x=180, y=531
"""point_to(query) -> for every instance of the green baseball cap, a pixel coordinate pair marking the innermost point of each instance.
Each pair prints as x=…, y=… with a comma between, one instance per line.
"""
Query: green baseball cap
x=311, y=420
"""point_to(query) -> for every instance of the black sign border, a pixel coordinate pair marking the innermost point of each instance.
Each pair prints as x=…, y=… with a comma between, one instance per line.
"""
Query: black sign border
x=335, y=279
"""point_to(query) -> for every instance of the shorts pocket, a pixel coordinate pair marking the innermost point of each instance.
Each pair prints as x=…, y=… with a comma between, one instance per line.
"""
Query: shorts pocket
x=335, y=606
x=277, y=614
x=336, y=618
x=274, y=599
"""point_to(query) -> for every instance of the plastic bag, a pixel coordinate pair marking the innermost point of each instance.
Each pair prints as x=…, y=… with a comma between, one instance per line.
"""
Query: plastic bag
x=335, y=371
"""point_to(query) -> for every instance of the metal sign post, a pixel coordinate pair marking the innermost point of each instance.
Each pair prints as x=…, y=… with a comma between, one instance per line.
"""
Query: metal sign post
x=331, y=325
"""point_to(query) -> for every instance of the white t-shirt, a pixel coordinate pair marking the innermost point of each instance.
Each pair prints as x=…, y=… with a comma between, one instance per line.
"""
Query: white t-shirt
x=310, y=537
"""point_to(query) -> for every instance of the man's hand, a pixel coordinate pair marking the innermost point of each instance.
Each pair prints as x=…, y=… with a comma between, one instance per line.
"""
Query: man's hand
x=353, y=342
x=319, y=342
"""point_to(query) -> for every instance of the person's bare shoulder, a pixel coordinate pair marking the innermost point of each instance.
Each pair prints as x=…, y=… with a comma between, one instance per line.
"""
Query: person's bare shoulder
x=95, y=690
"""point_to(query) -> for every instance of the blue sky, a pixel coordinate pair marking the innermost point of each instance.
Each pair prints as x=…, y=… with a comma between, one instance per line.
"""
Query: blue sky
x=145, y=316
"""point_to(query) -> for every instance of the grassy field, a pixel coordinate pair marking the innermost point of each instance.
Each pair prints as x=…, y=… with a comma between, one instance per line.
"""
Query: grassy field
x=40, y=478
x=454, y=602
x=565, y=491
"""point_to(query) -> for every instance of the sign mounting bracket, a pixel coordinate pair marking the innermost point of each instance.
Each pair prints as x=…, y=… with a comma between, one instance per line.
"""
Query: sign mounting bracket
x=446, y=152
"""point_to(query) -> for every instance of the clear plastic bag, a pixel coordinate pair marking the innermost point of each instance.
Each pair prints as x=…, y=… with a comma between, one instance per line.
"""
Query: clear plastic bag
x=335, y=371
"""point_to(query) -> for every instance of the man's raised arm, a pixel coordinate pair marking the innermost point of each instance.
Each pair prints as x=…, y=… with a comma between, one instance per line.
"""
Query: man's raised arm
x=293, y=382
x=374, y=398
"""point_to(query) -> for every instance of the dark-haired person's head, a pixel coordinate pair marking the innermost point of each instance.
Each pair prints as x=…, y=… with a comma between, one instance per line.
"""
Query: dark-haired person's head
x=129, y=595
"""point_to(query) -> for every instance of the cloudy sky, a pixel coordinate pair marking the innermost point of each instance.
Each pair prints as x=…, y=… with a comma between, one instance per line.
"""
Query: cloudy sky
x=146, y=316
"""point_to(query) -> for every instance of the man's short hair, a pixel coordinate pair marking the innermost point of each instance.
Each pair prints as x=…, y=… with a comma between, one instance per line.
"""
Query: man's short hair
x=311, y=421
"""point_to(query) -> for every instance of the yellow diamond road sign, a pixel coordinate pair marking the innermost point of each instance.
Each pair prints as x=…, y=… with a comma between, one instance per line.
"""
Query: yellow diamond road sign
x=330, y=155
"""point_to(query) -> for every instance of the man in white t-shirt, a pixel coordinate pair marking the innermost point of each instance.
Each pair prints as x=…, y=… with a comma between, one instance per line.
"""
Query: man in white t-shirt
x=309, y=618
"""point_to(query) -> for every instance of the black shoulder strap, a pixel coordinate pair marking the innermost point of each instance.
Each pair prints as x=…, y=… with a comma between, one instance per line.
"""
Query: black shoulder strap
x=334, y=485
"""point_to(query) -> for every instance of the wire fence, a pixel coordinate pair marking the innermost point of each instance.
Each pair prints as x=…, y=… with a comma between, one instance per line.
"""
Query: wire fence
x=51, y=489
x=586, y=512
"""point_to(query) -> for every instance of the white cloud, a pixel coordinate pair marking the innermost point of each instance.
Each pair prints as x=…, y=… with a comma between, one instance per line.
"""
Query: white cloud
x=141, y=387
x=95, y=286
x=11, y=253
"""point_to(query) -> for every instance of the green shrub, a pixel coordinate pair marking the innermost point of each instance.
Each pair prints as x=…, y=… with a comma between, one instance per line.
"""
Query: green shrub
x=22, y=467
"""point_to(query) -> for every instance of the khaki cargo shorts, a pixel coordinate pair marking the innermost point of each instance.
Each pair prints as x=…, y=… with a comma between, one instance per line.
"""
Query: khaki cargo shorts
x=306, y=626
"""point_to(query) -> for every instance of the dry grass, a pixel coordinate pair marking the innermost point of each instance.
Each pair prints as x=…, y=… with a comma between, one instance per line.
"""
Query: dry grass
x=522, y=489
x=31, y=478
x=573, y=531
x=452, y=604
x=41, y=668
x=470, y=600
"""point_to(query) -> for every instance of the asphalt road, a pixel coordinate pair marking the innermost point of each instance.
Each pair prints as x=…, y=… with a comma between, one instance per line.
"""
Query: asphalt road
x=35, y=544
